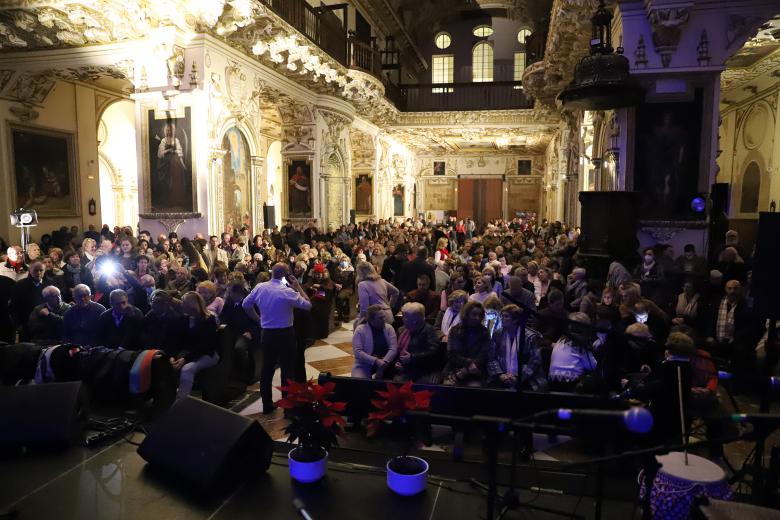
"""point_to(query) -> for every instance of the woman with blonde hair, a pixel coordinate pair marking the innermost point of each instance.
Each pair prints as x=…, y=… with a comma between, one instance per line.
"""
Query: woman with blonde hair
x=373, y=290
x=200, y=340
x=208, y=291
x=441, y=253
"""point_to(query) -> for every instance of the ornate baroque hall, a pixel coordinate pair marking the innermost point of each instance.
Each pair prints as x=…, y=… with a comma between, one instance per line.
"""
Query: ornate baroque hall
x=335, y=259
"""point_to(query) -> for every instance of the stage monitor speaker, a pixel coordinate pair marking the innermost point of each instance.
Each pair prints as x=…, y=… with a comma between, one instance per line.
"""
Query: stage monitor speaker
x=41, y=416
x=609, y=224
x=766, y=284
x=269, y=216
x=206, y=445
x=352, y=216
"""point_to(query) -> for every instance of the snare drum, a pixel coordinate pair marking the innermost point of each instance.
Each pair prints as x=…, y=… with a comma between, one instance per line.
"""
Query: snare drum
x=676, y=484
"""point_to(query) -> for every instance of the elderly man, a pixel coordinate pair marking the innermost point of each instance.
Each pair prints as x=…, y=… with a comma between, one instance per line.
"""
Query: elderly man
x=420, y=357
x=425, y=296
x=45, y=324
x=80, y=322
x=163, y=326
x=276, y=301
x=120, y=326
x=733, y=331
x=27, y=294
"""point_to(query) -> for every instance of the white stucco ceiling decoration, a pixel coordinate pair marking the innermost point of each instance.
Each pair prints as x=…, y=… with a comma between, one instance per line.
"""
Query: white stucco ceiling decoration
x=470, y=140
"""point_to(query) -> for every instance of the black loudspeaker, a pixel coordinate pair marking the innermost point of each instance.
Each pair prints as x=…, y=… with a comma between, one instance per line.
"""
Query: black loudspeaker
x=352, y=216
x=41, y=416
x=609, y=224
x=766, y=284
x=269, y=216
x=719, y=198
x=206, y=445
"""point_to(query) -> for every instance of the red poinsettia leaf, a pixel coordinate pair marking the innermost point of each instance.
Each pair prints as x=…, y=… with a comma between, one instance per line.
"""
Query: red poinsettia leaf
x=338, y=406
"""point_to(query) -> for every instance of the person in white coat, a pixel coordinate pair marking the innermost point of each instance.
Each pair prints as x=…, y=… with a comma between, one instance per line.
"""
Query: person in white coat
x=375, y=346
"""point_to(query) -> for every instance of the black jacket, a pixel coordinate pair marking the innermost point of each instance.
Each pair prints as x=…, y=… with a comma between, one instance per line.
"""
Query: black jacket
x=26, y=296
x=407, y=279
x=127, y=335
x=425, y=352
x=199, y=340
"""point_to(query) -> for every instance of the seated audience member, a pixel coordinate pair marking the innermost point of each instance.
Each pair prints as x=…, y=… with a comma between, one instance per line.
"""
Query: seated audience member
x=492, y=319
x=686, y=310
x=7, y=331
x=120, y=326
x=467, y=348
x=374, y=290
x=199, y=342
x=182, y=282
x=442, y=277
x=576, y=287
x=591, y=299
x=517, y=294
x=732, y=265
x=571, y=356
x=163, y=325
x=732, y=330
x=457, y=283
x=80, y=323
x=691, y=268
x=28, y=294
x=425, y=296
x=552, y=320
x=46, y=320
x=74, y=274
x=53, y=273
x=641, y=314
x=482, y=288
x=246, y=333
x=419, y=358
x=214, y=304
x=514, y=359
x=542, y=285
x=493, y=281
x=344, y=278
x=375, y=345
x=450, y=317
x=523, y=273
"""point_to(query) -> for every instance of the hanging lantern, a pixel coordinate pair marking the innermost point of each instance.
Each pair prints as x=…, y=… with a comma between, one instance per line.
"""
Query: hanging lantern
x=601, y=79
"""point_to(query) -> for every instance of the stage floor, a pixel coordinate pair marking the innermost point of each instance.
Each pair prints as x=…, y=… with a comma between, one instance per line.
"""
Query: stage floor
x=113, y=482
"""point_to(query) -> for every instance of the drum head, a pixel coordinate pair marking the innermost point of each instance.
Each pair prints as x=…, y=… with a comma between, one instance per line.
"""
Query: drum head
x=698, y=469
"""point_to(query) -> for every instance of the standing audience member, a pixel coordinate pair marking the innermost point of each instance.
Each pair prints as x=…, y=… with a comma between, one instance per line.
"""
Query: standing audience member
x=374, y=290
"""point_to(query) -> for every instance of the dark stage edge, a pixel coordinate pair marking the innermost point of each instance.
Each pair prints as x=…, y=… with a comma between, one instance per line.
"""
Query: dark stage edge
x=115, y=483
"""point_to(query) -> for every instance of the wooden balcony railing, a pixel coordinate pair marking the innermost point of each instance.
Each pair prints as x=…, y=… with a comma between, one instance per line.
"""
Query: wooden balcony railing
x=494, y=95
x=364, y=56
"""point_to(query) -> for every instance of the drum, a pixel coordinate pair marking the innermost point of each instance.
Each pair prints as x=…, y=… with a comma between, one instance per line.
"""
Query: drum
x=676, y=484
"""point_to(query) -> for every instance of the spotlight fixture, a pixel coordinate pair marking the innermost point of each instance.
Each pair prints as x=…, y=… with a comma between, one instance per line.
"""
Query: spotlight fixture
x=24, y=218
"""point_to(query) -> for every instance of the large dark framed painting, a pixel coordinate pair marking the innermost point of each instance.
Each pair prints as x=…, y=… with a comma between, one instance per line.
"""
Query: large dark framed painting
x=236, y=177
x=524, y=166
x=398, y=200
x=364, y=191
x=439, y=168
x=44, y=171
x=299, y=190
x=666, y=171
x=170, y=180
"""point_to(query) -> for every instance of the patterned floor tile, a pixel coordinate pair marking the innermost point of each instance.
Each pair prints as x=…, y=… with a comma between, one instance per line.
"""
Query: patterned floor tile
x=334, y=366
x=324, y=352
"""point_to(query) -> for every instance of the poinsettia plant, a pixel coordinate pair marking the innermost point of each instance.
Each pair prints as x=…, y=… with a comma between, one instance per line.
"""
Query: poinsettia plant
x=315, y=420
x=394, y=403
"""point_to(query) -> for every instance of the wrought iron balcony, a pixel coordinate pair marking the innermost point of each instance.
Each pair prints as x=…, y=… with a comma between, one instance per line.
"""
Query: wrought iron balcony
x=494, y=95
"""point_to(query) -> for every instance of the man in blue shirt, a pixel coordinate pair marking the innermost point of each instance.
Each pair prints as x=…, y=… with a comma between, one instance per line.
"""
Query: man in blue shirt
x=276, y=300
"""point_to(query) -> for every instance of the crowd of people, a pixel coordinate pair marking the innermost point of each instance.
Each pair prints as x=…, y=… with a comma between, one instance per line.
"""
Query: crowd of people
x=512, y=304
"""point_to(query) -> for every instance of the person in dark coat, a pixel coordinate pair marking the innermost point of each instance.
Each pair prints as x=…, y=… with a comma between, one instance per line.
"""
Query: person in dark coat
x=6, y=323
x=420, y=357
x=120, y=326
x=28, y=294
x=46, y=320
x=163, y=325
x=407, y=280
x=199, y=340
x=81, y=320
x=394, y=263
x=467, y=348
x=74, y=273
x=321, y=291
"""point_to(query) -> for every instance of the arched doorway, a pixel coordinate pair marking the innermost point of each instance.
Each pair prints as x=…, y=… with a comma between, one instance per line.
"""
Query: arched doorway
x=751, y=188
x=117, y=165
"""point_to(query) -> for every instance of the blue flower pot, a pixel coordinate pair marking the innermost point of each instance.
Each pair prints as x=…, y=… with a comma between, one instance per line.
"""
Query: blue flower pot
x=405, y=483
x=307, y=472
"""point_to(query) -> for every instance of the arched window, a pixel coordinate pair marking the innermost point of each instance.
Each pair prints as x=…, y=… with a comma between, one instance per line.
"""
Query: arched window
x=482, y=31
x=482, y=62
x=443, y=40
x=751, y=185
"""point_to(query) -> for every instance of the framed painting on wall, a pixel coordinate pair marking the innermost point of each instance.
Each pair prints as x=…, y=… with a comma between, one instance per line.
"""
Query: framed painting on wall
x=398, y=200
x=236, y=176
x=364, y=190
x=44, y=177
x=439, y=168
x=299, y=188
x=666, y=171
x=170, y=177
x=524, y=166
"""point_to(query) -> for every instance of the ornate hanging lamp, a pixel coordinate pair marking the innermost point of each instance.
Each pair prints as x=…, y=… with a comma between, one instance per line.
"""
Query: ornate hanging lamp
x=601, y=79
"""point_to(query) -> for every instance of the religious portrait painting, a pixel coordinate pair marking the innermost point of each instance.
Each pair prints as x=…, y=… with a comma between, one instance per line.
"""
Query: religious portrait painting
x=667, y=158
x=364, y=190
x=439, y=168
x=236, y=173
x=524, y=166
x=169, y=149
x=398, y=200
x=299, y=190
x=44, y=171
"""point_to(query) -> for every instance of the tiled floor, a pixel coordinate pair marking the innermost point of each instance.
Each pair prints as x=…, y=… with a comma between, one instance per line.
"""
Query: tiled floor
x=332, y=354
